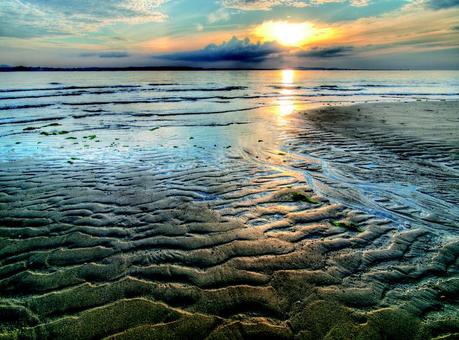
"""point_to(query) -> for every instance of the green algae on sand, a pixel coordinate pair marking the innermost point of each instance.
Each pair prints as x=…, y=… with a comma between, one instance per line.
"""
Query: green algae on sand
x=346, y=225
x=295, y=195
x=54, y=133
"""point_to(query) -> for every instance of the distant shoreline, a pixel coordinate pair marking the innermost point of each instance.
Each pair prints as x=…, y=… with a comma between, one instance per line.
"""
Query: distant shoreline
x=169, y=68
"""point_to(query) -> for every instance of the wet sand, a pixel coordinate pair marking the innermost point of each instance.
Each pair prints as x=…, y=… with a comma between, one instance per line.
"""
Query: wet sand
x=264, y=244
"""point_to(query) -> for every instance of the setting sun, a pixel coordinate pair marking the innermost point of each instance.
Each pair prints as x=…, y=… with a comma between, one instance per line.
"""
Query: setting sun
x=286, y=33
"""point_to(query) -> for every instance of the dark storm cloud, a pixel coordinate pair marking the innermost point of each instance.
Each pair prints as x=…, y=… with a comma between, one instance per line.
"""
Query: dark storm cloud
x=113, y=54
x=331, y=52
x=441, y=4
x=232, y=50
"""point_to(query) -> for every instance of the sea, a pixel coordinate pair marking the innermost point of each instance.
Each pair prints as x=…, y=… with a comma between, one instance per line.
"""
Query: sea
x=198, y=116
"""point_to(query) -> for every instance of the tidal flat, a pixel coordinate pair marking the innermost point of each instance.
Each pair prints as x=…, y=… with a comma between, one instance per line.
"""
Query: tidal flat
x=274, y=205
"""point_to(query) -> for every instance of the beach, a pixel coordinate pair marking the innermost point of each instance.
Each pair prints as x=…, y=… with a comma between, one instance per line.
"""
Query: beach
x=301, y=205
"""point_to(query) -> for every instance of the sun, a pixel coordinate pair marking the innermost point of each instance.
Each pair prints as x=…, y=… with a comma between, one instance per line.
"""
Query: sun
x=286, y=33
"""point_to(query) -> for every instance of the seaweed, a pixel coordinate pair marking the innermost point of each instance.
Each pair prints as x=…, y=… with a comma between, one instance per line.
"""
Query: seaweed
x=30, y=128
x=54, y=133
x=298, y=196
x=292, y=195
x=346, y=225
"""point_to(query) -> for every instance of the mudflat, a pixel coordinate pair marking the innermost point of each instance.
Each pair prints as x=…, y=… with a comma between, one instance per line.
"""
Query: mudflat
x=338, y=222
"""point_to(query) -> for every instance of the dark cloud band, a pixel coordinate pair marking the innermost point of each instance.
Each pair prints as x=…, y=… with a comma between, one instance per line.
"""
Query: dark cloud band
x=232, y=50
x=112, y=54
x=332, y=52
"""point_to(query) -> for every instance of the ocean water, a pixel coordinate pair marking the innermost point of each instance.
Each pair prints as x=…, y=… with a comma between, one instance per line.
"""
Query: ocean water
x=130, y=112
x=212, y=185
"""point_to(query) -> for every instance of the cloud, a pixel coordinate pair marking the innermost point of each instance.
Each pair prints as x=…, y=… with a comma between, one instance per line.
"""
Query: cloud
x=261, y=4
x=95, y=11
x=360, y=3
x=110, y=54
x=22, y=21
x=330, y=52
x=399, y=30
x=441, y=4
x=114, y=55
x=219, y=15
x=355, y=3
x=266, y=5
x=29, y=18
x=233, y=50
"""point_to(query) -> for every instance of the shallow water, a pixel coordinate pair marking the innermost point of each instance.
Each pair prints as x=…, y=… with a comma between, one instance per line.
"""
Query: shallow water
x=134, y=112
x=211, y=192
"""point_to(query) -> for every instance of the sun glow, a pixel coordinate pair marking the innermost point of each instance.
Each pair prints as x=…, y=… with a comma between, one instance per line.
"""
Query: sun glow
x=286, y=33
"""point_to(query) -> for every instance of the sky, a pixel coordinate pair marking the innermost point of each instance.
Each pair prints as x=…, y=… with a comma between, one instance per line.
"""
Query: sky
x=370, y=34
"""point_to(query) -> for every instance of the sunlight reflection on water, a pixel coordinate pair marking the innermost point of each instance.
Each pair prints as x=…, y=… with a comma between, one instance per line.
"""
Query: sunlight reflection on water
x=285, y=102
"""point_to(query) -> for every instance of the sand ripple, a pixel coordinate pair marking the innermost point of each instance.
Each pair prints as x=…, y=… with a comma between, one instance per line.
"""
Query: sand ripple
x=241, y=250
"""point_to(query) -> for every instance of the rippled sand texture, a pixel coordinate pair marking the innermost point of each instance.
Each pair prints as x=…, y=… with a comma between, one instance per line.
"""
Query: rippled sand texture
x=323, y=228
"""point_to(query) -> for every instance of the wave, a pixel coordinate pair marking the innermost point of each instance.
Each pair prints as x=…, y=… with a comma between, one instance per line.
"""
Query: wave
x=33, y=120
x=212, y=124
x=290, y=87
x=210, y=89
x=124, y=88
x=38, y=96
x=336, y=88
x=63, y=88
x=162, y=100
x=69, y=88
x=196, y=113
x=164, y=84
x=18, y=107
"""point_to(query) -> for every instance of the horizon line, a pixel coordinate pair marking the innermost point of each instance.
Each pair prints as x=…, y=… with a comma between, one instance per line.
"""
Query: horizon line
x=7, y=68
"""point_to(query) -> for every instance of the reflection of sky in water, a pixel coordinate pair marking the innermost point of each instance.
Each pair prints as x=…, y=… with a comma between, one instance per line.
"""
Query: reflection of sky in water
x=178, y=110
x=180, y=119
